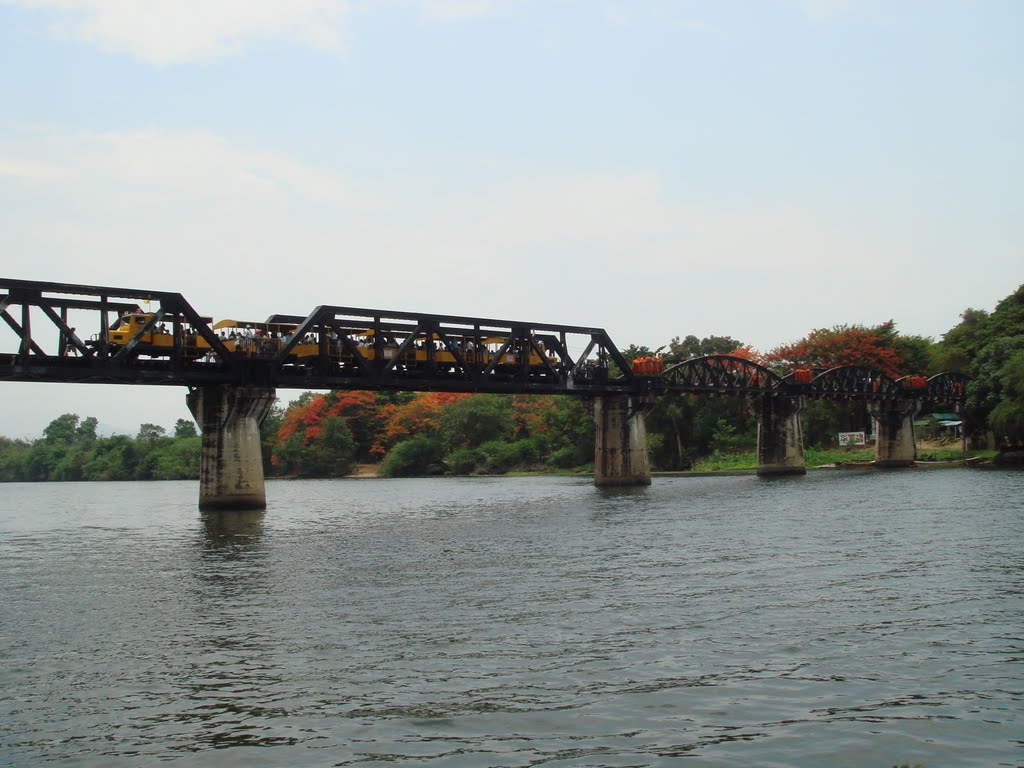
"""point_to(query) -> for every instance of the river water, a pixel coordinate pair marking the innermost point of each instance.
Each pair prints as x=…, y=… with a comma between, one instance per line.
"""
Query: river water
x=845, y=618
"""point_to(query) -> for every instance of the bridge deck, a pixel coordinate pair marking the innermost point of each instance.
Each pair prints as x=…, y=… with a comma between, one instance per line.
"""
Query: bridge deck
x=332, y=347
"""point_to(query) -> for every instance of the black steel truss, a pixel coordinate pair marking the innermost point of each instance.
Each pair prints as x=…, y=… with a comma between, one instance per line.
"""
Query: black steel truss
x=331, y=348
x=351, y=348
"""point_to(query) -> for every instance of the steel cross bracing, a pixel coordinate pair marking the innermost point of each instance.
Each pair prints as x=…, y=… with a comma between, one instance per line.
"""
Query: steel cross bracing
x=61, y=332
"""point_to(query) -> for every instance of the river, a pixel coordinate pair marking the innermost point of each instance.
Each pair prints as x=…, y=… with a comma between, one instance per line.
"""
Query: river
x=845, y=618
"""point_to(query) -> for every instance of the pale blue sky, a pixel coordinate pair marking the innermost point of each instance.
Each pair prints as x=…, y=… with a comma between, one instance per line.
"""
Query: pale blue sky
x=756, y=169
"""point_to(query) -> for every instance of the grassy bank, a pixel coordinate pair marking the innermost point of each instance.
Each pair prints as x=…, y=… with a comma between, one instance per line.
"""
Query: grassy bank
x=818, y=457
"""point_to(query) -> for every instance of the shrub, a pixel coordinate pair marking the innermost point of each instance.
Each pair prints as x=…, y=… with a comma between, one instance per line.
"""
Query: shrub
x=568, y=457
x=464, y=461
x=415, y=457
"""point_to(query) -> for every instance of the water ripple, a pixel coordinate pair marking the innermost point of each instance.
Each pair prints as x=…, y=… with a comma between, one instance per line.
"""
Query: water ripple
x=862, y=619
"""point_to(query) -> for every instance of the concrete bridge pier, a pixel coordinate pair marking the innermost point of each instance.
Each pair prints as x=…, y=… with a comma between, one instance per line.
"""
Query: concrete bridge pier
x=620, y=440
x=895, y=445
x=231, y=467
x=780, y=441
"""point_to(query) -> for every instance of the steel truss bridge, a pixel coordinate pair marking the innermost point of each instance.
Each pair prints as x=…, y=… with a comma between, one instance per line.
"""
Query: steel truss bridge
x=62, y=332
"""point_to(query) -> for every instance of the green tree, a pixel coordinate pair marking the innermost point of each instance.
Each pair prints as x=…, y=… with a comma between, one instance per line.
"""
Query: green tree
x=1007, y=418
x=961, y=343
x=177, y=459
x=114, y=458
x=87, y=429
x=327, y=450
x=691, y=347
x=149, y=432
x=473, y=421
x=62, y=429
x=418, y=456
x=185, y=428
x=999, y=338
x=13, y=457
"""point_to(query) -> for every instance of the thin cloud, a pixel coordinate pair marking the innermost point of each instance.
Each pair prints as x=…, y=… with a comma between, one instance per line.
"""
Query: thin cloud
x=154, y=198
x=165, y=32
x=825, y=10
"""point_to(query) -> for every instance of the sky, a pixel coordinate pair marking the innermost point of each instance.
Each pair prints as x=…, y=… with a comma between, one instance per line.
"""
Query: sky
x=657, y=168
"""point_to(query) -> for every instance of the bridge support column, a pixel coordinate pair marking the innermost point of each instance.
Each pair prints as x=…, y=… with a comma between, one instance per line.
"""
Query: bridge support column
x=895, y=445
x=231, y=467
x=780, y=442
x=620, y=440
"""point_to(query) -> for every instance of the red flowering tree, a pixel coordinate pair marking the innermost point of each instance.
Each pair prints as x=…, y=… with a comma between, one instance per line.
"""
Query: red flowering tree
x=313, y=442
x=825, y=348
x=422, y=414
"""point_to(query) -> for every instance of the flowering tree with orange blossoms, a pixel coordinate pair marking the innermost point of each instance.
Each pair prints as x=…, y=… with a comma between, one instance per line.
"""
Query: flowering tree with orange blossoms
x=531, y=414
x=313, y=442
x=825, y=348
x=420, y=415
x=304, y=417
x=363, y=413
x=747, y=352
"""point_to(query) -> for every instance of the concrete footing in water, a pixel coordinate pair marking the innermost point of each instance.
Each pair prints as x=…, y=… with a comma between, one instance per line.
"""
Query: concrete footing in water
x=894, y=419
x=620, y=441
x=780, y=442
x=231, y=467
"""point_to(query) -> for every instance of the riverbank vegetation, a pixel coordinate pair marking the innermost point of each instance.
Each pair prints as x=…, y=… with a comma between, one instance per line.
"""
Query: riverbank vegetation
x=404, y=434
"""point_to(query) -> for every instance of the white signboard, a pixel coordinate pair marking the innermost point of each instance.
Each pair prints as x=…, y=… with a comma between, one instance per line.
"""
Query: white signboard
x=851, y=438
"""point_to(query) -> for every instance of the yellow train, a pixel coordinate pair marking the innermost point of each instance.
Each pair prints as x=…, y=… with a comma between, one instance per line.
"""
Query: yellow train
x=267, y=339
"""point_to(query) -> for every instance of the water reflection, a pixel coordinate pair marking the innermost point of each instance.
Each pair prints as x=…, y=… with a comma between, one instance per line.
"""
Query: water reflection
x=232, y=530
x=229, y=675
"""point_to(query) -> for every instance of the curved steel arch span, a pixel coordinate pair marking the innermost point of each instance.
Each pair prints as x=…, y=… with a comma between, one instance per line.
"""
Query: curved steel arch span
x=948, y=386
x=721, y=374
x=737, y=376
x=848, y=382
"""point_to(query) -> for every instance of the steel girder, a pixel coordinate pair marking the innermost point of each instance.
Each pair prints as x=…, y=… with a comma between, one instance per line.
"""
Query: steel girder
x=410, y=351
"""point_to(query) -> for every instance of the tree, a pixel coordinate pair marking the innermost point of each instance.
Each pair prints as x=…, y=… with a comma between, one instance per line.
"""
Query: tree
x=989, y=370
x=692, y=347
x=115, y=458
x=62, y=429
x=1007, y=418
x=268, y=437
x=961, y=343
x=362, y=413
x=324, y=450
x=472, y=421
x=87, y=429
x=420, y=415
x=418, y=456
x=825, y=348
x=184, y=428
x=150, y=432
x=178, y=459
x=13, y=456
x=992, y=344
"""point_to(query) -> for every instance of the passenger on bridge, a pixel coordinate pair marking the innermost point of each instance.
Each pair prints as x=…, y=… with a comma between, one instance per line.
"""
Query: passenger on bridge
x=69, y=348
